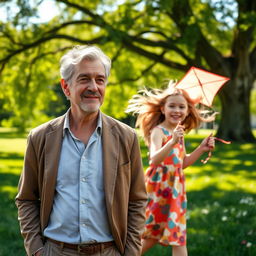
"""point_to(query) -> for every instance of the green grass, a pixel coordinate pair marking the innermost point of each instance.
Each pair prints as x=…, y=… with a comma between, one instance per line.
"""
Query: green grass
x=12, y=146
x=221, y=199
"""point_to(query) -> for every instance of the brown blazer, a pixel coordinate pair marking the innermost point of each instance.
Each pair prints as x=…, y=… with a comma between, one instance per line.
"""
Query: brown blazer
x=123, y=182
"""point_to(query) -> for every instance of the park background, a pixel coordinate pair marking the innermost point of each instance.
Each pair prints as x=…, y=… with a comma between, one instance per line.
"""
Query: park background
x=149, y=43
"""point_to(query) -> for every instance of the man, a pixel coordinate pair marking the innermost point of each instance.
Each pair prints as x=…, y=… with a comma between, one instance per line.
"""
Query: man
x=82, y=188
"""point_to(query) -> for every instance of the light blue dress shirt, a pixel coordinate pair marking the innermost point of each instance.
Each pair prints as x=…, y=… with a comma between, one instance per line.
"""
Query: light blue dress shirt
x=79, y=212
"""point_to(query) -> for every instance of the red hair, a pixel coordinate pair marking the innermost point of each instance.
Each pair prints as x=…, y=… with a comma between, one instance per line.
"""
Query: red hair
x=147, y=105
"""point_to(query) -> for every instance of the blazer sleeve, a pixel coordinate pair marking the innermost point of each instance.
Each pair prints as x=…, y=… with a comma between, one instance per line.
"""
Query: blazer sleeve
x=28, y=203
x=137, y=203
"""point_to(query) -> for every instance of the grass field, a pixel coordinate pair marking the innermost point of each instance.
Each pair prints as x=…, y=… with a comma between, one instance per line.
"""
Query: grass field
x=221, y=199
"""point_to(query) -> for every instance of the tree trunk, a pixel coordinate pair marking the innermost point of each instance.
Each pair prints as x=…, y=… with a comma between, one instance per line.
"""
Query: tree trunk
x=235, y=123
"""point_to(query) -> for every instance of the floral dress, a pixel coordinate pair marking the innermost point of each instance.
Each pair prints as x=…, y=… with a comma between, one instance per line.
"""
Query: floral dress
x=167, y=201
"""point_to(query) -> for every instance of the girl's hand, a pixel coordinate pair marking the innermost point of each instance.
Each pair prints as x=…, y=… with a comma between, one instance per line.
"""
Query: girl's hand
x=208, y=144
x=178, y=133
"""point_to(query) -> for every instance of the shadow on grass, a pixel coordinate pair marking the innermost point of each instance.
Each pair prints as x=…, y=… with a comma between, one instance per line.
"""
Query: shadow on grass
x=9, y=179
x=10, y=237
x=11, y=156
x=220, y=222
x=13, y=135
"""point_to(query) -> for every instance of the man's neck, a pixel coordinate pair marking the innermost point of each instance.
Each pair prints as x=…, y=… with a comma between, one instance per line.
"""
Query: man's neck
x=83, y=126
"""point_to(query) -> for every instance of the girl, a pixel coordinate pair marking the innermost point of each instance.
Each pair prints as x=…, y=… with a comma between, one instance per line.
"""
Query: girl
x=163, y=118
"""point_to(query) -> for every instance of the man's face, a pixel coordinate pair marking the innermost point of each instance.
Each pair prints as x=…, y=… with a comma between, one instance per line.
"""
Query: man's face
x=87, y=88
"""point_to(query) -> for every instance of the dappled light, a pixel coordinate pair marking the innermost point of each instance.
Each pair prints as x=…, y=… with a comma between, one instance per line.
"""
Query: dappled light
x=150, y=43
x=10, y=190
x=221, y=198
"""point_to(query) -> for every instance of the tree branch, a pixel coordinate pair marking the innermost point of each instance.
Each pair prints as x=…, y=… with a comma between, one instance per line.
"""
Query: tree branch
x=40, y=41
x=69, y=23
x=180, y=13
x=141, y=33
x=244, y=38
x=153, y=56
x=167, y=45
x=38, y=57
x=134, y=79
x=117, y=54
x=100, y=21
x=253, y=62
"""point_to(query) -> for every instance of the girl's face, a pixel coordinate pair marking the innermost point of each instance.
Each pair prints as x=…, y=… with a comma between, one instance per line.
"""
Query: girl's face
x=175, y=109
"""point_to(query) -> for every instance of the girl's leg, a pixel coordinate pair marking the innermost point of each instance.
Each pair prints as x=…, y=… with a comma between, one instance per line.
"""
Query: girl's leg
x=179, y=251
x=147, y=244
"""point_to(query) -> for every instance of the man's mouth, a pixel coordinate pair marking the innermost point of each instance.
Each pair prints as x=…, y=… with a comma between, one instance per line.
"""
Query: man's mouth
x=90, y=95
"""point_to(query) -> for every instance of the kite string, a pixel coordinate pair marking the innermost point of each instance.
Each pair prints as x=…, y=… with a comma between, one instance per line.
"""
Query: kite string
x=210, y=152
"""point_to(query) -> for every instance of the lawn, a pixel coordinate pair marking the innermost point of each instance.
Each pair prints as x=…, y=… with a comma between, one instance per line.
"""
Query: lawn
x=12, y=146
x=221, y=199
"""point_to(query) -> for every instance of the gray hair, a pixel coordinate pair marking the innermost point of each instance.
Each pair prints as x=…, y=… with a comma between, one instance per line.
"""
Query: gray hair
x=72, y=58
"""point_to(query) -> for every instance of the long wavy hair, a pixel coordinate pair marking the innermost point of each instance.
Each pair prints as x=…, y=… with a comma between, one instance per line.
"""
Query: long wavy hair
x=147, y=105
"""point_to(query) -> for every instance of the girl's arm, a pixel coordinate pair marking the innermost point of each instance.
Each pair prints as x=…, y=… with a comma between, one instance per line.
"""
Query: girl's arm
x=158, y=152
x=207, y=144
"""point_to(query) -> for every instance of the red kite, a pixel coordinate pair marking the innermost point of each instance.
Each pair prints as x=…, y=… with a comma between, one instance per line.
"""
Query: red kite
x=201, y=85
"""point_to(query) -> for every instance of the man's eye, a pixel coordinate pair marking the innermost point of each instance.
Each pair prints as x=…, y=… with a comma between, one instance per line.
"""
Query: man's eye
x=100, y=81
x=84, y=80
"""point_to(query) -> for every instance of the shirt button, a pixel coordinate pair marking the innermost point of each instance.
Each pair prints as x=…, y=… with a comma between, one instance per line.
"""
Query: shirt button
x=84, y=179
x=83, y=201
x=84, y=225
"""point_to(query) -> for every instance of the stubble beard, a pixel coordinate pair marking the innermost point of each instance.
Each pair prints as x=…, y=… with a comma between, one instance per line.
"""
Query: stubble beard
x=90, y=108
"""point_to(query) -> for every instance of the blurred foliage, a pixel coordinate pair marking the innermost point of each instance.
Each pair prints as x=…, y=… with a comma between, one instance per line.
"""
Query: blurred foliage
x=253, y=102
x=148, y=41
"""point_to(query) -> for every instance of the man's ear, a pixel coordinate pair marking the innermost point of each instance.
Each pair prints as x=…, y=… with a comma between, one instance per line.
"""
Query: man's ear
x=65, y=87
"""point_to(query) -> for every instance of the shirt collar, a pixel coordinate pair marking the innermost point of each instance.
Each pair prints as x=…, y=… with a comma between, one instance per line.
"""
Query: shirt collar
x=67, y=125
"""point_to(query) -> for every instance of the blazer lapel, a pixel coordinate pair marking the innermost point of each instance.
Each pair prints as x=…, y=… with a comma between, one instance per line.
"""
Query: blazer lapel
x=52, y=153
x=53, y=145
x=110, y=142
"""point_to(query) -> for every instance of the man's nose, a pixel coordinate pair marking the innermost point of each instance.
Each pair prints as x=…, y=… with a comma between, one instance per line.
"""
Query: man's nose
x=92, y=85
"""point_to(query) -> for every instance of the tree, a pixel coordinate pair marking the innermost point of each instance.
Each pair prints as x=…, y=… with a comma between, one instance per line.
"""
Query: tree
x=149, y=40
